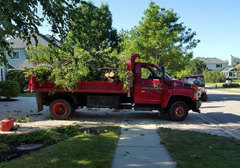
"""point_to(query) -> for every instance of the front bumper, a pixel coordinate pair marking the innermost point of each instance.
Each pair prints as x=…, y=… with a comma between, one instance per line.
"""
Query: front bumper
x=196, y=106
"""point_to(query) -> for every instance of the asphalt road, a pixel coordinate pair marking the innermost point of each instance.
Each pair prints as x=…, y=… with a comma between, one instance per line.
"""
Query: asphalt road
x=223, y=110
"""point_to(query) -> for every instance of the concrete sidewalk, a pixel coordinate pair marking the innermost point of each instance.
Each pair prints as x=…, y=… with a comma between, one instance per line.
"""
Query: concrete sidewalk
x=139, y=146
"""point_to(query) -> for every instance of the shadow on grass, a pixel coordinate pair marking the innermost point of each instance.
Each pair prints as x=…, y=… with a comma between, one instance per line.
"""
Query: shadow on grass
x=8, y=100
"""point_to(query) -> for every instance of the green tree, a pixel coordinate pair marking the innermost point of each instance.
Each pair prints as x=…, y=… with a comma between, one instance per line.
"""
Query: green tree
x=196, y=66
x=90, y=28
x=21, y=18
x=214, y=76
x=161, y=38
x=236, y=61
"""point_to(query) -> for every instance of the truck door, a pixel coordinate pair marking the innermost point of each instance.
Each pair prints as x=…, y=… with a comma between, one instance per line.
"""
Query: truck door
x=148, y=84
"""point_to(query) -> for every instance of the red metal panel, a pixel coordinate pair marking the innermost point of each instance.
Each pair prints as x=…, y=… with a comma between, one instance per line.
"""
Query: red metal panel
x=85, y=86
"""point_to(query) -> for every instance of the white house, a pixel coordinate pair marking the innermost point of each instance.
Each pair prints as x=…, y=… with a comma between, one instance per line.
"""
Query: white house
x=214, y=63
x=20, y=58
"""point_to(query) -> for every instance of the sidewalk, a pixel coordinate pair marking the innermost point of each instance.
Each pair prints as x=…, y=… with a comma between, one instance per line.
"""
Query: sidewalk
x=139, y=146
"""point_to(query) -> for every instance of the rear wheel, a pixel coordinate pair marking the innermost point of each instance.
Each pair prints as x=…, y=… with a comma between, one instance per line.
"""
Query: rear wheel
x=178, y=111
x=60, y=109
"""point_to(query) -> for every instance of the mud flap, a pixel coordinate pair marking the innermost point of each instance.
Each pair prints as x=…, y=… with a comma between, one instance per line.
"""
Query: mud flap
x=39, y=101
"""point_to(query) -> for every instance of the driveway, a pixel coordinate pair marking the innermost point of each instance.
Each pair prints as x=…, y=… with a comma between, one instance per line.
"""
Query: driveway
x=220, y=116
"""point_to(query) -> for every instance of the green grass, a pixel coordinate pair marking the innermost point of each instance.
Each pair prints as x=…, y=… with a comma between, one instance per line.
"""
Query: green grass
x=232, y=90
x=33, y=94
x=198, y=150
x=213, y=85
x=71, y=148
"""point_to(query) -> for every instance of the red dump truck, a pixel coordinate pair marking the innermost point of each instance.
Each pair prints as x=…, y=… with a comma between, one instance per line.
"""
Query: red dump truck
x=152, y=90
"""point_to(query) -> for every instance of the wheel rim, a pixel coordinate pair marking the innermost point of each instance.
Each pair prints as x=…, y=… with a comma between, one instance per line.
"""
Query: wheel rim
x=179, y=111
x=59, y=109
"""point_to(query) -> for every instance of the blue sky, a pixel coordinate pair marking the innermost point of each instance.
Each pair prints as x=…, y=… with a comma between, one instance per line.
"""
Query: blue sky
x=216, y=22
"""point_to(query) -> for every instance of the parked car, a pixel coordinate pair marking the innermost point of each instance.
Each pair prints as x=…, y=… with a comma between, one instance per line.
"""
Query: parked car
x=197, y=79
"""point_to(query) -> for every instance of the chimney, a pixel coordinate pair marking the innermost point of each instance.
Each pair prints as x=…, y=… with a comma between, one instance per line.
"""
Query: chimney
x=230, y=60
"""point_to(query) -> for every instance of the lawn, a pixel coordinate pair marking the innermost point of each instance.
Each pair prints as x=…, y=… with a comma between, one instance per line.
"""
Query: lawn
x=232, y=90
x=214, y=85
x=197, y=150
x=71, y=148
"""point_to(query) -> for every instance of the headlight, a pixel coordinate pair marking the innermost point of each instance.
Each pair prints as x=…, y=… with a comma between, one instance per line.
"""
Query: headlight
x=196, y=95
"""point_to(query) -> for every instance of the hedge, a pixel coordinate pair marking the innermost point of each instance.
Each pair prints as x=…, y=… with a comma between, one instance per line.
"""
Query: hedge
x=18, y=76
x=231, y=85
x=9, y=89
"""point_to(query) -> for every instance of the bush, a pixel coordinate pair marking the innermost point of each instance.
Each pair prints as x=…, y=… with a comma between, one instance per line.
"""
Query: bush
x=9, y=89
x=18, y=76
x=213, y=76
x=231, y=85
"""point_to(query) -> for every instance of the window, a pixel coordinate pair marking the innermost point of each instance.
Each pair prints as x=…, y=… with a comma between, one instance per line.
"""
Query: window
x=1, y=74
x=16, y=55
x=218, y=65
x=150, y=72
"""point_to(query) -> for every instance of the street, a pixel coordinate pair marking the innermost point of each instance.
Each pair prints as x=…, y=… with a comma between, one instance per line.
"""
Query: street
x=223, y=109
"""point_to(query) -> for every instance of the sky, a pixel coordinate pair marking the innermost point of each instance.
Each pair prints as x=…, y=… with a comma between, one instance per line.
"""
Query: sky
x=216, y=22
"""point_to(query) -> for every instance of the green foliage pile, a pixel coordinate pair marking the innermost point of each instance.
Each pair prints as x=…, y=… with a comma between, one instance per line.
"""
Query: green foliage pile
x=19, y=77
x=213, y=76
x=54, y=64
x=160, y=38
x=231, y=85
x=9, y=89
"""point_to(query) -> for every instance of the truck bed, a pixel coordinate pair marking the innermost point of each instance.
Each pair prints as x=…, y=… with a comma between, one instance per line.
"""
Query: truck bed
x=83, y=86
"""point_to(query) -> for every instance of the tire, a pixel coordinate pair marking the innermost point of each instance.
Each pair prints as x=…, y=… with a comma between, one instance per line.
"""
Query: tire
x=178, y=111
x=204, y=97
x=60, y=109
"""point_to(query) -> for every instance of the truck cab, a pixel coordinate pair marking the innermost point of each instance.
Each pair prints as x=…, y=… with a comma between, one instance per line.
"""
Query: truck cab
x=152, y=90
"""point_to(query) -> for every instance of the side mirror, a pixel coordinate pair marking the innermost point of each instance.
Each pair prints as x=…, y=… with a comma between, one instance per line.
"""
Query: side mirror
x=164, y=72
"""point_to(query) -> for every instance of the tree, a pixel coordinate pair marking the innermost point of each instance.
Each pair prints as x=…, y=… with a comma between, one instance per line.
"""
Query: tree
x=21, y=19
x=236, y=61
x=214, y=76
x=90, y=28
x=161, y=39
x=196, y=66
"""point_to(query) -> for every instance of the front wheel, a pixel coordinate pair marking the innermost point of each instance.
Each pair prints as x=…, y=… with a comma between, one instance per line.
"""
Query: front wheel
x=204, y=97
x=178, y=111
x=60, y=109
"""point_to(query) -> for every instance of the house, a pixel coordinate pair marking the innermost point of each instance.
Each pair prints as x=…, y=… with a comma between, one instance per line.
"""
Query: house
x=214, y=63
x=231, y=73
x=20, y=58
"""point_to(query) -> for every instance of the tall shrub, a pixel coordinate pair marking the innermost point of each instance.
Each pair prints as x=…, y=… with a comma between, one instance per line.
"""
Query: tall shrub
x=9, y=89
x=19, y=77
x=214, y=76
